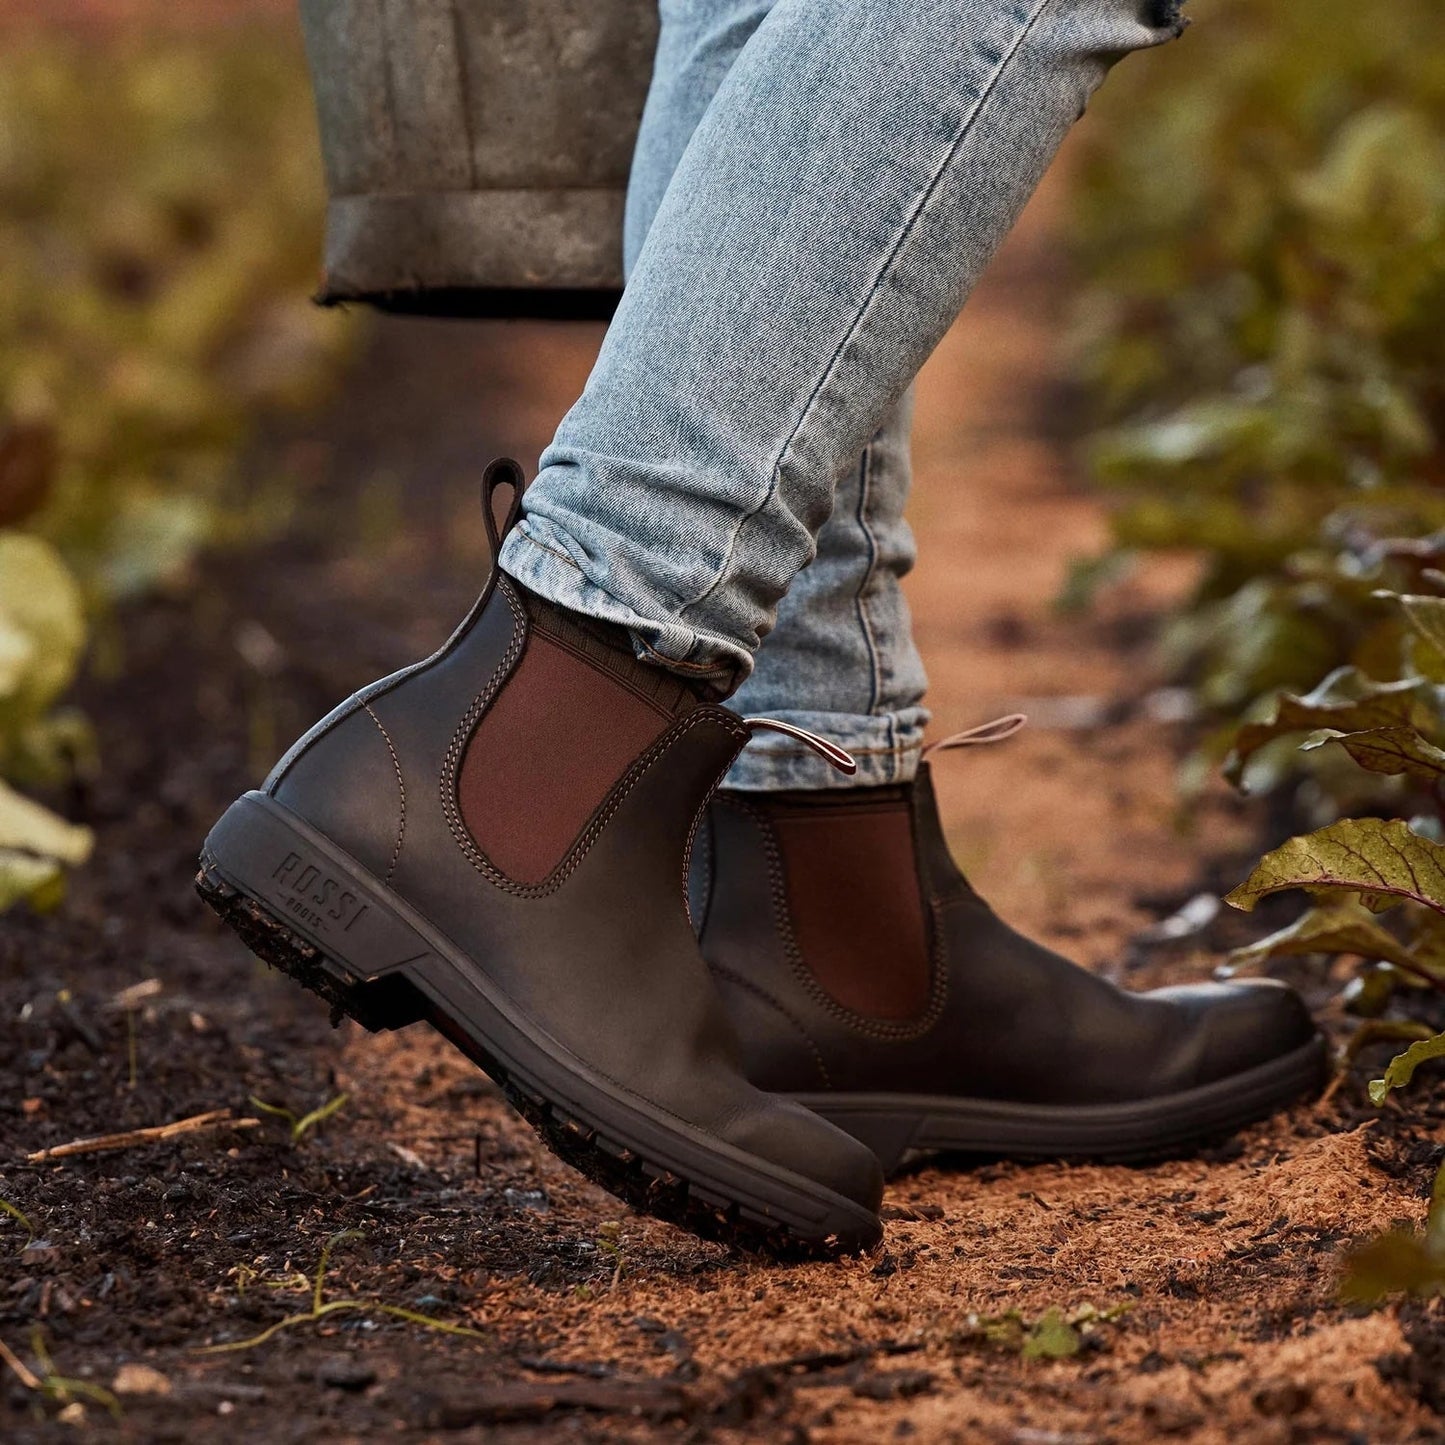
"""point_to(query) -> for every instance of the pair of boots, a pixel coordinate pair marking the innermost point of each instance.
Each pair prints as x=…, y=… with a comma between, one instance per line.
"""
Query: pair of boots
x=498, y=840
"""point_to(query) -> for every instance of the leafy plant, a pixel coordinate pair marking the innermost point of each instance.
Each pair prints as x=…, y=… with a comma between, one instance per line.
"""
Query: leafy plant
x=159, y=212
x=299, y=1125
x=321, y=1308
x=1054, y=1335
x=1262, y=222
x=1263, y=231
x=50, y=1384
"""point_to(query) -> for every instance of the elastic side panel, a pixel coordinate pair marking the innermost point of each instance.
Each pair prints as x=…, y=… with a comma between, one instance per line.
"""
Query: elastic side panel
x=544, y=757
x=855, y=906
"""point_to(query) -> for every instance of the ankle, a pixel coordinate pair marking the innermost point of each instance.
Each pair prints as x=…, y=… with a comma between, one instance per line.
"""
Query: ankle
x=612, y=646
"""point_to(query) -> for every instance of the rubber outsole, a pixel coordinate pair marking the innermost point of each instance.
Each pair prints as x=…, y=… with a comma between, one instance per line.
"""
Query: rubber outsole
x=902, y=1128
x=732, y=1199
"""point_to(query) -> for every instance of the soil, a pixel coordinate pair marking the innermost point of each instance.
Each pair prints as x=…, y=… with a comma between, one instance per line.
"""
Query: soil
x=1215, y=1277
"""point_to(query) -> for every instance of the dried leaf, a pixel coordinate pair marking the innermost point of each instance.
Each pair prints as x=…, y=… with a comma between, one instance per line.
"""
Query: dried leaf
x=1339, y=925
x=1398, y=751
x=1345, y=702
x=1379, y=860
x=1395, y=1263
x=1425, y=614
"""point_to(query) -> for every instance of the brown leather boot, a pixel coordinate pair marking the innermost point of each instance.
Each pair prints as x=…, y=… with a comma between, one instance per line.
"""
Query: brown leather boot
x=869, y=981
x=495, y=840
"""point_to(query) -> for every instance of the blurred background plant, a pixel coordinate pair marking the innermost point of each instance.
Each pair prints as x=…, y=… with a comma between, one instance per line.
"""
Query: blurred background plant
x=1261, y=226
x=160, y=204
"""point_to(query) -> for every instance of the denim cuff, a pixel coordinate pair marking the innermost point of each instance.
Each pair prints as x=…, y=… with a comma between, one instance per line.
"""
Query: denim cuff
x=886, y=748
x=540, y=562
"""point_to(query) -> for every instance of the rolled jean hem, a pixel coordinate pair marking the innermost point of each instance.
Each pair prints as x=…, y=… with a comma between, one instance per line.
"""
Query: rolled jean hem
x=885, y=746
x=550, y=572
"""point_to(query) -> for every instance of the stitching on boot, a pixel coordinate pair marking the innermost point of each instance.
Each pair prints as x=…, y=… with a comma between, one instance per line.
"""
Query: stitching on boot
x=692, y=838
x=401, y=788
x=861, y=1023
x=720, y=971
x=699, y=854
x=600, y=819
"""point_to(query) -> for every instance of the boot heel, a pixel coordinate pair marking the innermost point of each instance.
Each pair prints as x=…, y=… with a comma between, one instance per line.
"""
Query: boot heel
x=308, y=910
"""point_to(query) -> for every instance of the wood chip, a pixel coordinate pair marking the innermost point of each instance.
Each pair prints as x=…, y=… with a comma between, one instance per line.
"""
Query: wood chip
x=136, y=994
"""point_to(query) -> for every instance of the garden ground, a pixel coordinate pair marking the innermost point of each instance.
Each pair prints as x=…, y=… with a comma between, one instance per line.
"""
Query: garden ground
x=1212, y=1280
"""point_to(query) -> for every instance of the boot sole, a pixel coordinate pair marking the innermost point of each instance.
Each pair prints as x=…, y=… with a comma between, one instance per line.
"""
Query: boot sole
x=900, y=1128
x=307, y=908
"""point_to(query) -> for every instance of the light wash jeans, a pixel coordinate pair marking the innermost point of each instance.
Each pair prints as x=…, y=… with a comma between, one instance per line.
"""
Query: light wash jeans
x=818, y=184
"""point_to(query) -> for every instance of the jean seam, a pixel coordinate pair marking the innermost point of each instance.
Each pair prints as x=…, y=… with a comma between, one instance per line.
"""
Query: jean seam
x=553, y=551
x=965, y=128
x=676, y=663
x=860, y=601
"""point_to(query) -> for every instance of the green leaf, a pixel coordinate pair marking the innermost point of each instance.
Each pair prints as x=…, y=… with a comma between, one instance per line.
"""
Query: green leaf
x=1402, y=1067
x=1435, y=1219
x=1397, y=751
x=1379, y=860
x=25, y=878
x=42, y=626
x=26, y=827
x=1339, y=925
x=1051, y=1338
x=35, y=847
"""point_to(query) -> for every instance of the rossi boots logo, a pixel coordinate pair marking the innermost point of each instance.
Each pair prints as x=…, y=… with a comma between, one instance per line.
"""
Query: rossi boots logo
x=315, y=897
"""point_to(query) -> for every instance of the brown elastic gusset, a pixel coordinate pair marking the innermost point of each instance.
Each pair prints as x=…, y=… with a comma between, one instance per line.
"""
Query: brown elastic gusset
x=531, y=776
x=858, y=919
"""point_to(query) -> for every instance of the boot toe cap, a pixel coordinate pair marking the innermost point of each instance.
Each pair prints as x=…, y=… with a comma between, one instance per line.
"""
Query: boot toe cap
x=794, y=1138
x=1244, y=1024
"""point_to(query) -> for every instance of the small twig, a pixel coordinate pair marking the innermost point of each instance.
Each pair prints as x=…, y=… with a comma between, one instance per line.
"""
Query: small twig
x=132, y=1138
x=19, y=1368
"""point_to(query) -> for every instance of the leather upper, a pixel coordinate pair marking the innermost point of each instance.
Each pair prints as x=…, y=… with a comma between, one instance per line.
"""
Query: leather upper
x=1000, y=1017
x=533, y=792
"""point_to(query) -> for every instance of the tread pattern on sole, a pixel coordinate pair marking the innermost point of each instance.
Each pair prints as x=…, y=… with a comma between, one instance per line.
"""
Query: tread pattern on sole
x=392, y=1003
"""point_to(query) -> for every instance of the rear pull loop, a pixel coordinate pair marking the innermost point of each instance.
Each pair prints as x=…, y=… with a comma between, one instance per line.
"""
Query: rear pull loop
x=997, y=731
x=503, y=472
x=831, y=753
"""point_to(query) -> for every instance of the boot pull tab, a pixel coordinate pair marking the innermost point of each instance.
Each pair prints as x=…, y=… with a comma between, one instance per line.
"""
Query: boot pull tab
x=503, y=472
x=831, y=753
x=997, y=731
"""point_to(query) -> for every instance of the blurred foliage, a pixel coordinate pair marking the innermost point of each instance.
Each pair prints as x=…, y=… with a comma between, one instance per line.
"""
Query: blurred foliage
x=1261, y=220
x=160, y=210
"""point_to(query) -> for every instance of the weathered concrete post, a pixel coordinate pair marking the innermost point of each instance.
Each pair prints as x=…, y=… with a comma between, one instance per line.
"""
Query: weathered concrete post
x=477, y=151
